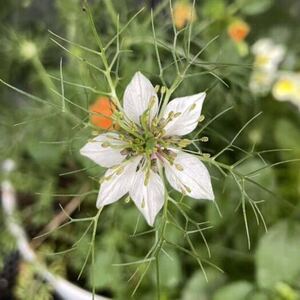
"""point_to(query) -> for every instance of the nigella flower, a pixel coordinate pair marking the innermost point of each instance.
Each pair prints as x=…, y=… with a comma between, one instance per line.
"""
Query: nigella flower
x=268, y=56
x=147, y=142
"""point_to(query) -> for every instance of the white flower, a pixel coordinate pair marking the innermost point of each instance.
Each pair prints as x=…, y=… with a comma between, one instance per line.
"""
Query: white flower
x=144, y=145
x=261, y=82
x=287, y=87
x=268, y=56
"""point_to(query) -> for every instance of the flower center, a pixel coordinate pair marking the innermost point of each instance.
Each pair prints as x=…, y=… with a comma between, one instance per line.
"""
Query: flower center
x=150, y=144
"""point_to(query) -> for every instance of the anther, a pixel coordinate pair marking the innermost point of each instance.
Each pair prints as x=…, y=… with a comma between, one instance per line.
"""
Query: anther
x=147, y=178
x=193, y=106
x=187, y=189
x=202, y=118
x=162, y=132
x=204, y=139
x=179, y=167
x=171, y=115
x=105, y=144
x=105, y=178
x=152, y=102
x=183, y=143
x=120, y=170
x=124, y=152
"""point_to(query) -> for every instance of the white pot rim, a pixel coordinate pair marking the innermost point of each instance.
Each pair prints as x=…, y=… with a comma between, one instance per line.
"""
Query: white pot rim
x=65, y=289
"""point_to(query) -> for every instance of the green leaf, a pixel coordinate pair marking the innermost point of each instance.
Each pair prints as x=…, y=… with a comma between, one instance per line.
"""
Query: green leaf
x=214, y=8
x=105, y=275
x=198, y=288
x=278, y=255
x=258, y=296
x=287, y=135
x=238, y=291
x=254, y=7
x=265, y=178
x=47, y=156
x=169, y=269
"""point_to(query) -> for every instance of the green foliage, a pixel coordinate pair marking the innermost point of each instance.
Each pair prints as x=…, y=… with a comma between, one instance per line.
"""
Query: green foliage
x=43, y=128
x=290, y=140
x=199, y=288
x=254, y=7
x=238, y=291
x=277, y=255
x=30, y=287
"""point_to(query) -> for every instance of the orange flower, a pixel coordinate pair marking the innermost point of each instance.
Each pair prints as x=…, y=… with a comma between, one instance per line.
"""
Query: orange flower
x=183, y=13
x=238, y=30
x=101, y=111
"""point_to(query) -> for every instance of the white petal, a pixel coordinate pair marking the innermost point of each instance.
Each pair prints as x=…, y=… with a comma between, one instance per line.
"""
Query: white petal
x=189, y=176
x=99, y=151
x=189, y=109
x=268, y=55
x=118, y=182
x=148, y=198
x=137, y=97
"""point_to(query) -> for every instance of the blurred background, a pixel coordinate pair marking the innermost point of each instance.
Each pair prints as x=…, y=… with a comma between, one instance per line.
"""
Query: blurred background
x=249, y=64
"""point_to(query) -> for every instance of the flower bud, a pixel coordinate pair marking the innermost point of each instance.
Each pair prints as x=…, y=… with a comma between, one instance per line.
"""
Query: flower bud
x=101, y=113
x=28, y=50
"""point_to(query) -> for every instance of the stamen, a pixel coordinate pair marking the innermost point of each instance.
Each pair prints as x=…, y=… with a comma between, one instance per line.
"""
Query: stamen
x=171, y=115
x=152, y=102
x=201, y=119
x=105, y=178
x=162, y=132
x=179, y=167
x=170, y=156
x=125, y=152
x=123, y=137
x=147, y=177
x=187, y=188
x=155, y=121
x=105, y=144
x=204, y=139
x=183, y=191
x=119, y=170
x=193, y=106
x=183, y=143
x=163, y=89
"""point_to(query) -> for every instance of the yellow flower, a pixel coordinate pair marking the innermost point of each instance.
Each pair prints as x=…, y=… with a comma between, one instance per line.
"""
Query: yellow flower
x=183, y=13
x=287, y=88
